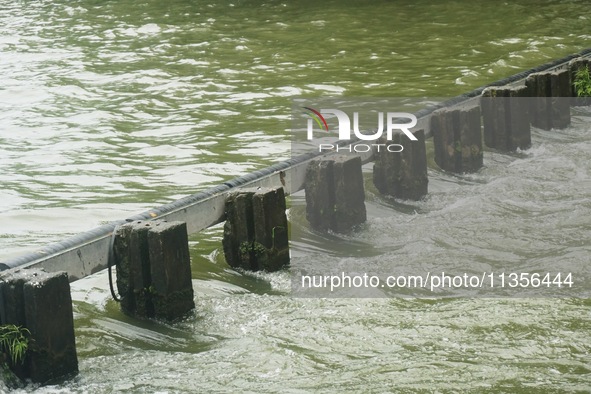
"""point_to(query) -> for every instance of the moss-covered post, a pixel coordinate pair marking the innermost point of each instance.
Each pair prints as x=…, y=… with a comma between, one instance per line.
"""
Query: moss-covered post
x=239, y=231
x=255, y=232
x=154, y=269
x=457, y=139
x=335, y=195
x=505, y=118
x=401, y=174
x=41, y=303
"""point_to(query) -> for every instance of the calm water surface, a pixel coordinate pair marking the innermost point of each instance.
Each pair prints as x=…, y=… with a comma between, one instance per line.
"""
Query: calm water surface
x=109, y=108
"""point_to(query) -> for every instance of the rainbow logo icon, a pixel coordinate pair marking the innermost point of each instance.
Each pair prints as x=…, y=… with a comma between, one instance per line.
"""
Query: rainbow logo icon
x=317, y=117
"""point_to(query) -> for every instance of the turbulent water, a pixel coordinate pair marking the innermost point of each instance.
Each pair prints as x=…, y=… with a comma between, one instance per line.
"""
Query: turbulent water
x=110, y=108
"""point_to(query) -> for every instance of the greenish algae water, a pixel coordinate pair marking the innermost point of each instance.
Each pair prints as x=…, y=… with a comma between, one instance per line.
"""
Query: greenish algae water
x=108, y=108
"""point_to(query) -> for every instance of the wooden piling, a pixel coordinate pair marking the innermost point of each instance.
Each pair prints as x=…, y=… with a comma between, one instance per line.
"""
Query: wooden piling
x=154, y=269
x=505, y=118
x=41, y=302
x=560, y=87
x=539, y=91
x=255, y=232
x=171, y=289
x=132, y=260
x=457, y=139
x=335, y=195
x=402, y=174
x=550, y=99
x=239, y=231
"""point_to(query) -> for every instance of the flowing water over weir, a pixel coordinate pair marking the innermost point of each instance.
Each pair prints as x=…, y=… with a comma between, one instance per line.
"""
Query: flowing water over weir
x=111, y=109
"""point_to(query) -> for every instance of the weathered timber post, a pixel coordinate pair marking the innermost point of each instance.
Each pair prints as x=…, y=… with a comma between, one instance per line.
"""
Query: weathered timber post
x=550, y=102
x=505, y=118
x=335, y=196
x=539, y=90
x=41, y=302
x=255, y=232
x=402, y=174
x=154, y=269
x=561, y=89
x=574, y=66
x=457, y=139
x=130, y=248
x=170, y=269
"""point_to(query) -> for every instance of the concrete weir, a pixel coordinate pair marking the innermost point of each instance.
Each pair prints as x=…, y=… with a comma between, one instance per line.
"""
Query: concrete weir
x=87, y=253
x=151, y=248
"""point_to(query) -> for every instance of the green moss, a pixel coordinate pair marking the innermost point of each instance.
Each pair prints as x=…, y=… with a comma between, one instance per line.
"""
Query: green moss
x=175, y=306
x=258, y=249
x=244, y=251
x=246, y=248
x=148, y=290
x=9, y=378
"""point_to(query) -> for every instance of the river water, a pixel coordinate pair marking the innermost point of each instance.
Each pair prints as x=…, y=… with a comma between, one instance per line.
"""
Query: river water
x=110, y=108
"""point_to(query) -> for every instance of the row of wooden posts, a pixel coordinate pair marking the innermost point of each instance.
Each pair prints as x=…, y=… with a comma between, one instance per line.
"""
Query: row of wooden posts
x=152, y=257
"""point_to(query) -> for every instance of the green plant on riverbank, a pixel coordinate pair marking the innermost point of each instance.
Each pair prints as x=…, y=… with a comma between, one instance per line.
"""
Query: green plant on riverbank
x=583, y=82
x=14, y=342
